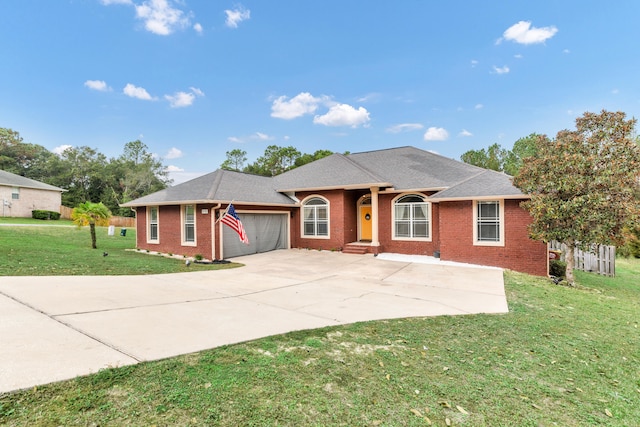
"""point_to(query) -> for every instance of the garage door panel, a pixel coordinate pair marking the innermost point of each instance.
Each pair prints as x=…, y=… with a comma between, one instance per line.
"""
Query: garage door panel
x=266, y=232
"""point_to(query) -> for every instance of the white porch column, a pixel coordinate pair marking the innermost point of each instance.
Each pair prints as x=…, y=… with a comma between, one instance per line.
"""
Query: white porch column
x=374, y=216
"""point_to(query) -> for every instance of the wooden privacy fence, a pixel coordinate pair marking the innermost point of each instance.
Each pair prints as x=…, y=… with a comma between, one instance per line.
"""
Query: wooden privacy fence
x=118, y=221
x=600, y=259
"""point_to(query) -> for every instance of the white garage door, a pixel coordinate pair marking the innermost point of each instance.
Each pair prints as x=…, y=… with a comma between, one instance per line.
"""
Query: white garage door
x=266, y=232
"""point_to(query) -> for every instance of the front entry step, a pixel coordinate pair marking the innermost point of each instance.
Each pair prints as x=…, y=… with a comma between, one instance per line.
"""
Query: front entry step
x=356, y=249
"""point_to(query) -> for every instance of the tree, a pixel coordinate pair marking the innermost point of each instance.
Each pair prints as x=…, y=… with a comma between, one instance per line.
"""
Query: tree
x=275, y=161
x=91, y=214
x=502, y=160
x=583, y=185
x=522, y=148
x=308, y=158
x=236, y=159
x=492, y=158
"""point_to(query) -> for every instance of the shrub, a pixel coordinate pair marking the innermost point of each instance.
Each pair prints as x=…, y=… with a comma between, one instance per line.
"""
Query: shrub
x=558, y=268
x=198, y=257
x=631, y=247
x=44, y=214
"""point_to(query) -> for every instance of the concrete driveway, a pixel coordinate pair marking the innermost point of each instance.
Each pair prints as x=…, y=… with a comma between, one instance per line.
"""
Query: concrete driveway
x=56, y=328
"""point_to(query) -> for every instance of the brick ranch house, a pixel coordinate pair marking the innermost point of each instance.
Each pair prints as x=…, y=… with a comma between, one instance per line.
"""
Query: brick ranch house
x=19, y=195
x=400, y=200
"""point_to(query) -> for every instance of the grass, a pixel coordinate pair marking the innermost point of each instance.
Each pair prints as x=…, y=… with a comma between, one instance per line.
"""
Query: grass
x=560, y=357
x=38, y=248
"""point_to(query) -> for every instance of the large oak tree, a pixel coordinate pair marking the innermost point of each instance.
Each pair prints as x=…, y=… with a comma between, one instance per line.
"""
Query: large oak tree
x=583, y=183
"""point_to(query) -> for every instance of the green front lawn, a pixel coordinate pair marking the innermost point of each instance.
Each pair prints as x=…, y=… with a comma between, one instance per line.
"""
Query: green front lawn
x=43, y=248
x=560, y=357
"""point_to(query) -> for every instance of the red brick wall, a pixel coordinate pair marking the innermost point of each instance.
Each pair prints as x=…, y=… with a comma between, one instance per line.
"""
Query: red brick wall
x=519, y=253
x=385, y=234
x=170, y=231
x=342, y=228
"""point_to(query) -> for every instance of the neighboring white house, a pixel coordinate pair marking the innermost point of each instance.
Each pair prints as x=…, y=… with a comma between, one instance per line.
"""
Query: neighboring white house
x=19, y=195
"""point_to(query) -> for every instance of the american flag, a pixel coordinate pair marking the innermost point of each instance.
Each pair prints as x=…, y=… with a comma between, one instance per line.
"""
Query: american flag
x=231, y=219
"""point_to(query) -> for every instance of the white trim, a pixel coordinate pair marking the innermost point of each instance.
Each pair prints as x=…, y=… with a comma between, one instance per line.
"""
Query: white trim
x=429, y=219
x=182, y=224
x=149, y=240
x=501, y=222
x=302, y=206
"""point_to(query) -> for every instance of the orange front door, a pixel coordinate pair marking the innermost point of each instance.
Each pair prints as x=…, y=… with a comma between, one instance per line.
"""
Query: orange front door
x=365, y=223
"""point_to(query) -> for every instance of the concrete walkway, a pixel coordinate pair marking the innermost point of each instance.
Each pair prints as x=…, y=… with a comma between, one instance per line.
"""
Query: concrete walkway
x=60, y=327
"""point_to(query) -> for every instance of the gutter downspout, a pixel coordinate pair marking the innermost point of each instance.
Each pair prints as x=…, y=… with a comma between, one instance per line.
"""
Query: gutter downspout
x=214, y=211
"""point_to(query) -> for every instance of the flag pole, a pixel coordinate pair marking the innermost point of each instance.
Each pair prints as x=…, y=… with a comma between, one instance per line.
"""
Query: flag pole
x=225, y=212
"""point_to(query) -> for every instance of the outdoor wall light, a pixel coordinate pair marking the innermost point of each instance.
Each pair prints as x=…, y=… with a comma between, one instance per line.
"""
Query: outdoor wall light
x=367, y=217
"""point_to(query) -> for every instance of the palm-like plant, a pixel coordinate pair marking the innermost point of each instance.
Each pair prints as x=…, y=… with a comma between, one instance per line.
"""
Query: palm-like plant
x=91, y=214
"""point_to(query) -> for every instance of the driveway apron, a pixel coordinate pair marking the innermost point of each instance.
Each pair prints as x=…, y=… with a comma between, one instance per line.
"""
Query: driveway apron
x=59, y=327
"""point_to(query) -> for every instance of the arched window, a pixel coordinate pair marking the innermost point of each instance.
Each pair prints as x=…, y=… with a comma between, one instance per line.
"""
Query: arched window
x=412, y=218
x=315, y=213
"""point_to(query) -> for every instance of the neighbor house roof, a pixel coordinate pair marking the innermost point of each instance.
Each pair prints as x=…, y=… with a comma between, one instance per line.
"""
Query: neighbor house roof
x=396, y=169
x=12, y=180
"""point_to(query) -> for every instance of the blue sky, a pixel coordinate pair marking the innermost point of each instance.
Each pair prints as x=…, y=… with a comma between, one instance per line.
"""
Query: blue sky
x=194, y=79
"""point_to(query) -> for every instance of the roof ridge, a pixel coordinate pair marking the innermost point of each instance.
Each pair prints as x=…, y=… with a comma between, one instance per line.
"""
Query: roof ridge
x=363, y=168
x=215, y=184
x=481, y=172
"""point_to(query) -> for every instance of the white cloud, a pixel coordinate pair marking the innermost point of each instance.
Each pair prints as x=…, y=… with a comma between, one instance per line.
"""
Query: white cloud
x=436, y=134
x=474, y=62
x=180, y=99
x=99, y=85
x=567, y=51
x=173, y=153
x=236, y=16
x=615, y=91
x=262, y=136
x=465, y=132
x=197, y=28
x=235, y=139
x=61, y=148
x=479, y=107
x=518, y=56
x=172, y=168
x=160, y=17
x=196, y=91
x=183, y=99
x=343, y=115
x=501, y=70
x=137, y=92
x=524, y=33
x=298, y=106
x=404, y=127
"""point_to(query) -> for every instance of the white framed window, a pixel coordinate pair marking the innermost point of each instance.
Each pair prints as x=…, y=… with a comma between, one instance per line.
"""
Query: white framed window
x=15, y=193
x=488, y=222
x=411, y=218
x=315, y=218
x=154, y=225
x=189, y=225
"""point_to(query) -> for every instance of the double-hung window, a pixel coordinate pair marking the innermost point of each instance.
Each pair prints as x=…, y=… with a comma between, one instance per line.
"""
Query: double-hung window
x=153, y=224
x=315, y=222
x=412, y=218
x=189, y=224
x=15, y=193
x=489, y=223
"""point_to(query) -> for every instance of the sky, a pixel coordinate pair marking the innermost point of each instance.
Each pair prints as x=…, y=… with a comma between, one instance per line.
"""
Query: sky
x=194, y=79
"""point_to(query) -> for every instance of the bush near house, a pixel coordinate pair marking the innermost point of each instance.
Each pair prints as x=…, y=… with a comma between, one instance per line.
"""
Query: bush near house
x=44, y=214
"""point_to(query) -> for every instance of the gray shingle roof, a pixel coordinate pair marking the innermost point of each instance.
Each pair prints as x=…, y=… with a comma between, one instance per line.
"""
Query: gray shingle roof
x=485, y=184
x=12, y=180
x=219, y=186
x=334, y=171
x=401, y=169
